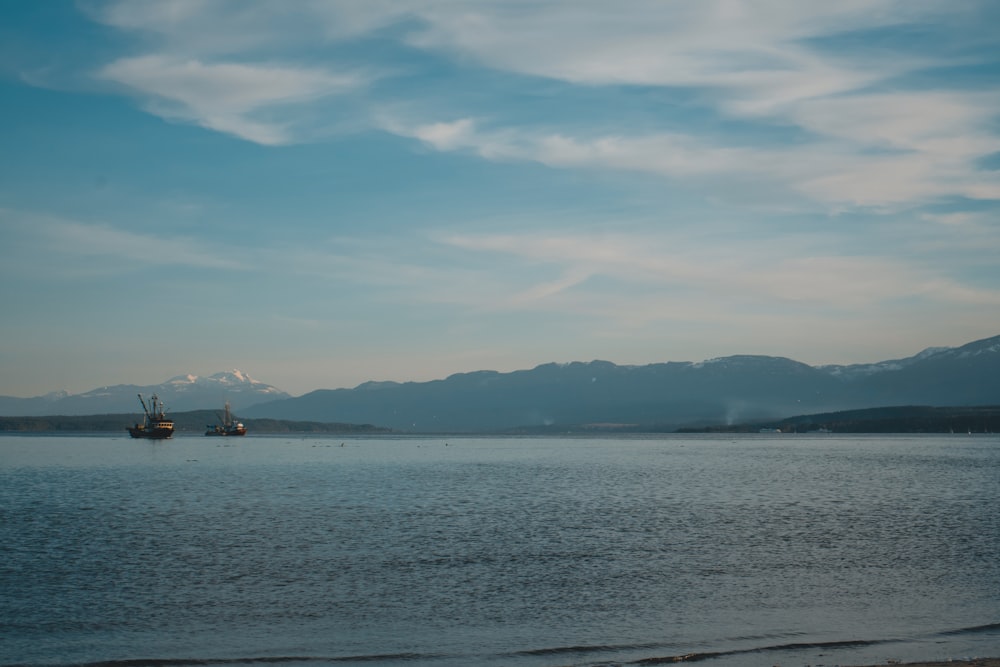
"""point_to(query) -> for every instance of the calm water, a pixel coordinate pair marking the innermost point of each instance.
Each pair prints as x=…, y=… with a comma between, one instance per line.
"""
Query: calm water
x=435, y=552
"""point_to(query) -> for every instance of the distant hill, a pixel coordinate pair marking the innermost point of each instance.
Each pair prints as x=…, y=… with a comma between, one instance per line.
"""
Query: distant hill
x=185, y=423
x=578, y=396
x=184, y=392
x=662, y=396
x=897, y=419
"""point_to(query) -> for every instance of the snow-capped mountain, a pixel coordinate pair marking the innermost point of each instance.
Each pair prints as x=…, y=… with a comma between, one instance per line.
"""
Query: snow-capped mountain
x=854, y=371
x=180, y=393
x=235, y=381
x=677, y=393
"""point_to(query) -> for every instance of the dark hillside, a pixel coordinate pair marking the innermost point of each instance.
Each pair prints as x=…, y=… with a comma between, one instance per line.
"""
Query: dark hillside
x=898, y=419
x=185, y=423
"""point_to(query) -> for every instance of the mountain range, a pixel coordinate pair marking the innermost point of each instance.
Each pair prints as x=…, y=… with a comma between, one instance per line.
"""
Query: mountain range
x=668, y=395
x=184, y=392
x=596, y=394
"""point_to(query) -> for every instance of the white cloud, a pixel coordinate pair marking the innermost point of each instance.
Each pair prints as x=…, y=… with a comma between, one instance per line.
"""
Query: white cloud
x=862, y=144
x=754, y=50
x=446, y=136
x=225, y=96
x=909, y=120
x=684, y=42
x=665, y=154
x=954, y=219
x=902, y=179
x=753, y=62
x=831, y=173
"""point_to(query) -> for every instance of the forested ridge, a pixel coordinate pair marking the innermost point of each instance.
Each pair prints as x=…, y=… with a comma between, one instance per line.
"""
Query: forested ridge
x=196, y=421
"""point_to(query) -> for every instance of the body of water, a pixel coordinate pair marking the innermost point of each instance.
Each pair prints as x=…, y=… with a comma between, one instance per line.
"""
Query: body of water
x=433, y=552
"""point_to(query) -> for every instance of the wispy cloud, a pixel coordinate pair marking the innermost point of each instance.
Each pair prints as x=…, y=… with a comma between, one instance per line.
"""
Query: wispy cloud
x=216, y=27
x=630, y=279
x=709, y=43
x=226, y=97
x=760, y=63
x=963, y=218
x=70, y=246
x=760, y=273
x=861, y=173
x=769, y=63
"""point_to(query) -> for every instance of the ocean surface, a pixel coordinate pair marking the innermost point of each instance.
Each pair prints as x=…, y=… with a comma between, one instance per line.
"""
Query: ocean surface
x=523, y=552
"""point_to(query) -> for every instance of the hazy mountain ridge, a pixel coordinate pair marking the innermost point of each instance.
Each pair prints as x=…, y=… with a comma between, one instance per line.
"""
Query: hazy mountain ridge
x=723, y=390
x=971, y=349
x=179, y=393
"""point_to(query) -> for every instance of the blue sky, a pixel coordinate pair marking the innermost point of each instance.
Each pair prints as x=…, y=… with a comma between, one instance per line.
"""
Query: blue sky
x=324, y=193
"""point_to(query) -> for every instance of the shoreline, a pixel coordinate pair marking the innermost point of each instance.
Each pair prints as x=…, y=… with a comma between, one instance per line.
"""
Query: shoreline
x=966, y=662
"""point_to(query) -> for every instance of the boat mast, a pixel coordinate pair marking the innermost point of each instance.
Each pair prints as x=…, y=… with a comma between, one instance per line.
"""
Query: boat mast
x=157, y=405
x=144, y=408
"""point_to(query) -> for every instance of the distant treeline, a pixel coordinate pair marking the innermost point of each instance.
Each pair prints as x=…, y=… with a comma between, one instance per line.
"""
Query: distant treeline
x=197, y=421
x=901, y=419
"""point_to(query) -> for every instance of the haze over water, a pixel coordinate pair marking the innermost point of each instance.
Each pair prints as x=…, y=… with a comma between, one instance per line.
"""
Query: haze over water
x=765, y=550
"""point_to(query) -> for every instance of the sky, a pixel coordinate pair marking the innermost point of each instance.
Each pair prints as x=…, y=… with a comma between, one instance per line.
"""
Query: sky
x=322, y=193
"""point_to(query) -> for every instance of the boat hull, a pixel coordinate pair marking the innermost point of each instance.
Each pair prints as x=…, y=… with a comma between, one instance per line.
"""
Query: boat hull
x=161, y=433
x=226, y=432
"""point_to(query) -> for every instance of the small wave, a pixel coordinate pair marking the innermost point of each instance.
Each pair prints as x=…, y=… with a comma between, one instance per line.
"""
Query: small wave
x=687, y=657
x=976, y=629
x=798, y=646
x=646, y=646
x=587, y=648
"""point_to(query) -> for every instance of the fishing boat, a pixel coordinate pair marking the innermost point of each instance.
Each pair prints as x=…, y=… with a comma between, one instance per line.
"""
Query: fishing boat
x=155, y=424
x=229, y=425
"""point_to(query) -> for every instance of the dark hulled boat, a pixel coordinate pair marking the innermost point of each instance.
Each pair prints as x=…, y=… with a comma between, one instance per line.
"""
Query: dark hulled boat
x=229, y=425
x=155, y=424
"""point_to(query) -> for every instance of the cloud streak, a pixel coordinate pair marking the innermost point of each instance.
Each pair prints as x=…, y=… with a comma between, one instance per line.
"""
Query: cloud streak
x=920, y=169
x=760, y=273
x=533, y=271
x=227, y=97
x=67, y=245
